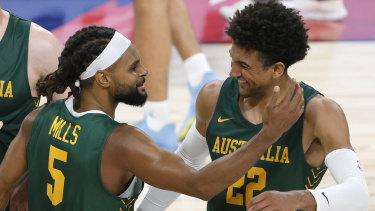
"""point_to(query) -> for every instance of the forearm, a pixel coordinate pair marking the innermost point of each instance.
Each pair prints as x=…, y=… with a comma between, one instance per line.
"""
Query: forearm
x=193, y=151
x=4, y=197
x=237, y=163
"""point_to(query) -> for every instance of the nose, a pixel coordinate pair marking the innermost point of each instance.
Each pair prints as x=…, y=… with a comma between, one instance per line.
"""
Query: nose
x=143, y=71
x=235, y=71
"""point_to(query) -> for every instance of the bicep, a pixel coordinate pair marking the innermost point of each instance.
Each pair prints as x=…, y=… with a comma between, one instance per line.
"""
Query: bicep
x=206, y=104
x=161, y=168
x=133, y=151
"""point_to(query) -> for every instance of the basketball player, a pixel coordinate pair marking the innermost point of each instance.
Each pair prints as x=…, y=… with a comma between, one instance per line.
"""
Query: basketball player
x=267, y=39
x=79, y=158
x=323, y=10
x=28, y=53
x=158, y=25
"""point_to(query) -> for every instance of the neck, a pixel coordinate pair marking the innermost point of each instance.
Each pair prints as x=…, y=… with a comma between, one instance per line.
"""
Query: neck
x=260, y=102
x=94, y=100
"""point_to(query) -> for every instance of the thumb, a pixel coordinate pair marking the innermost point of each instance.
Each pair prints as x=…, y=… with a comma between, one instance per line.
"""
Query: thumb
x=1, y=124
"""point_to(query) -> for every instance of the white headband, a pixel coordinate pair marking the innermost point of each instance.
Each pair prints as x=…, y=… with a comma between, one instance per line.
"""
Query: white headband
x=111, y=53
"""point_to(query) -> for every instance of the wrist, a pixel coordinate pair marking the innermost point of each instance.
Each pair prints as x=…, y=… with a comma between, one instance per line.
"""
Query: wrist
x=305, y=200
x=269, y=135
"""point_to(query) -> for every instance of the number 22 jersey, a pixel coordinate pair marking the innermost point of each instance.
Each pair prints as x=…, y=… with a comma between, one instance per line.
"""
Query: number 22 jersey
x=282, y=167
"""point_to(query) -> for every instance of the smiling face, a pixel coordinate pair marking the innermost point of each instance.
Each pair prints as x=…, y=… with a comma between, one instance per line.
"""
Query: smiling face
x=254, y=80
x=128, y=76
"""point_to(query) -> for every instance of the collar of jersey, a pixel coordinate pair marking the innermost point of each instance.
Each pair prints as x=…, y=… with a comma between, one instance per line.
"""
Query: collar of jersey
x=69, y=106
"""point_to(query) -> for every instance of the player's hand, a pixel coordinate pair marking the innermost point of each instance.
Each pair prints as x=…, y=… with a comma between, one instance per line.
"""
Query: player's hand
x=280, y=114
x=1, y=124
x=19, y=199
x=283, y=201
x=272, y=200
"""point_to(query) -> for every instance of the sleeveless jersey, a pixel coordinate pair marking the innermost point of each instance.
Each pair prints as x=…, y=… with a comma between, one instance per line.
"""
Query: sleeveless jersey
x=64, y=158
x=282, y=167
x=15, y=95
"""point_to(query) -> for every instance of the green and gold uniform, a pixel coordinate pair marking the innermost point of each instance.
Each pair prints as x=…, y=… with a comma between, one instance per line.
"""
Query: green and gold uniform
x=64, y=159
x=15, y=95
x=282, y=167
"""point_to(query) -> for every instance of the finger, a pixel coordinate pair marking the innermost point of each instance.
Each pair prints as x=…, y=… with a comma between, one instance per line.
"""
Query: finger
x=289, y=92
x=257, y=198
x=297, y=99
x=275, y=95
x=301, y=103
x=1, y=124
x=260, y=205
x=293, y=90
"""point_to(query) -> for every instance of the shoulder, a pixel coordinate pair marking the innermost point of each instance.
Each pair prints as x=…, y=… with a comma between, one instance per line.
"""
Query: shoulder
x=320, y=106
x=28, y=122
x=210, y=91
x=44, y=49
x=43, y=38
x=206, y=103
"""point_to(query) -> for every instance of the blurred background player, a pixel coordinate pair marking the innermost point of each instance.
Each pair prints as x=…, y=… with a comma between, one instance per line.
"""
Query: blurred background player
x=326, y=10
x=158, y=25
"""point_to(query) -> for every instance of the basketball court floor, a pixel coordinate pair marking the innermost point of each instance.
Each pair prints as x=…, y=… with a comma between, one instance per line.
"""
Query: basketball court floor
x=342, y=71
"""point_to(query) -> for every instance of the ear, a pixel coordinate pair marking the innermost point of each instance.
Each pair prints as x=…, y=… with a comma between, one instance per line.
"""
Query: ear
x=278, y=70
x=103, y=78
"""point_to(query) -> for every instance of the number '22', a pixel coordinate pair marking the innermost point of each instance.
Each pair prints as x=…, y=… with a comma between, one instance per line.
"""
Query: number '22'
x=238, y=198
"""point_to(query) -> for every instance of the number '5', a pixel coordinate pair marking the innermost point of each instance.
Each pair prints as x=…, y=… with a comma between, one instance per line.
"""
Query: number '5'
x=55, y=191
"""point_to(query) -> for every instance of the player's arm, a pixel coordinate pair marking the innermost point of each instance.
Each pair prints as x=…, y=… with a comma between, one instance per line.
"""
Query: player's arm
x=166, y=170
x=14, y=164
x=193, y=150
x=44, y=50
x=331, y=128
x=351, y=193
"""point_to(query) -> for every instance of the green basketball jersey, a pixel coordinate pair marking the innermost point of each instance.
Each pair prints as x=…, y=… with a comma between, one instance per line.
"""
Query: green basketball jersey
x=282, y=167
x=15, y=95
x=64, y=159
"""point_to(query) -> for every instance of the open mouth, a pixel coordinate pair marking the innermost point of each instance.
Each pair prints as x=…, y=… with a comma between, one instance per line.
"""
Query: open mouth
x=142, y=83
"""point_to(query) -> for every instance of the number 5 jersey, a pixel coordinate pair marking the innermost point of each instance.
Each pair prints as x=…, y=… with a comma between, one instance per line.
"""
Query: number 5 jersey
x=64, y=158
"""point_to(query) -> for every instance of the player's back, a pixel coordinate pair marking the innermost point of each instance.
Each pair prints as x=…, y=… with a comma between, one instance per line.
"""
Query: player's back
x=64, y=158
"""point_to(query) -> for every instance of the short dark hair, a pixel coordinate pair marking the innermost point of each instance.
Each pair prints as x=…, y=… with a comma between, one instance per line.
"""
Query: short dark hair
x=80, y=51
x=276, y=32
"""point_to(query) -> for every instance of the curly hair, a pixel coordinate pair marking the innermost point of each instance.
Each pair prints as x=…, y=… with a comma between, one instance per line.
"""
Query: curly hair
x=80, y=51
x=276, y=32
